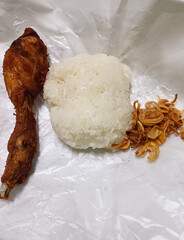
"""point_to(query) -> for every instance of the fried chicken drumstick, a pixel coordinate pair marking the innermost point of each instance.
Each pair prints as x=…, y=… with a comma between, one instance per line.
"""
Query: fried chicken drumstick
x=25, y=67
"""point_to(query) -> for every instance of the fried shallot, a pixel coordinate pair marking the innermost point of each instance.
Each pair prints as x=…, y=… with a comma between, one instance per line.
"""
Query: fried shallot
x=151, y=126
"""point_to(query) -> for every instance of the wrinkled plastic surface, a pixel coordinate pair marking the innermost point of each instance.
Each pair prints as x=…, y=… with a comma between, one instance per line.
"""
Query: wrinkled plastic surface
x=90, y=195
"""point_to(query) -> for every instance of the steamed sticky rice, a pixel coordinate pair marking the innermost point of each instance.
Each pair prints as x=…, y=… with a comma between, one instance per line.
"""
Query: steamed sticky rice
x=89, y=100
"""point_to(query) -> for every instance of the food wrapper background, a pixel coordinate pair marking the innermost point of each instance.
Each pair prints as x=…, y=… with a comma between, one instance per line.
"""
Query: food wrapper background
x=105, y=195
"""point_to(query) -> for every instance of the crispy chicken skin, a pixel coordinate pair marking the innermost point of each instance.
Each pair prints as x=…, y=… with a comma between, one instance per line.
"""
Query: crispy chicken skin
x=25, y=67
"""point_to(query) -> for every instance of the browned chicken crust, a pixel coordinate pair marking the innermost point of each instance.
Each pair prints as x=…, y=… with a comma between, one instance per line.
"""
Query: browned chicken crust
x=25, y=67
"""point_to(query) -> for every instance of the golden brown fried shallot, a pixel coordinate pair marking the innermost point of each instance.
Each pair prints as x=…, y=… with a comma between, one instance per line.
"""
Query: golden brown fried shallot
x=150, y=146
x=150, y=117
x=151, y=126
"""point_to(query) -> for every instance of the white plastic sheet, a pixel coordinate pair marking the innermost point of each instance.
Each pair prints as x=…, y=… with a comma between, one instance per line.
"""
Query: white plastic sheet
x=104, y=195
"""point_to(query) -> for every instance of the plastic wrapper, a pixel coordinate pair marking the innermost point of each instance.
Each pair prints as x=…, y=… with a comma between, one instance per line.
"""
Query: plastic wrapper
x=98, y=194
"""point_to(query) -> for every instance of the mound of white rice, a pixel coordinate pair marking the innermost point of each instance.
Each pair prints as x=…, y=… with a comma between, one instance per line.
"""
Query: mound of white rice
x=89, y=100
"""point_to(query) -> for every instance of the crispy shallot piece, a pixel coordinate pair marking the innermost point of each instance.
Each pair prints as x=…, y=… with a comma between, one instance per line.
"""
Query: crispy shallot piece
x=182, y=133
x=150, y=117
x=151, y=146
x=25, y=67
x=151, y=126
